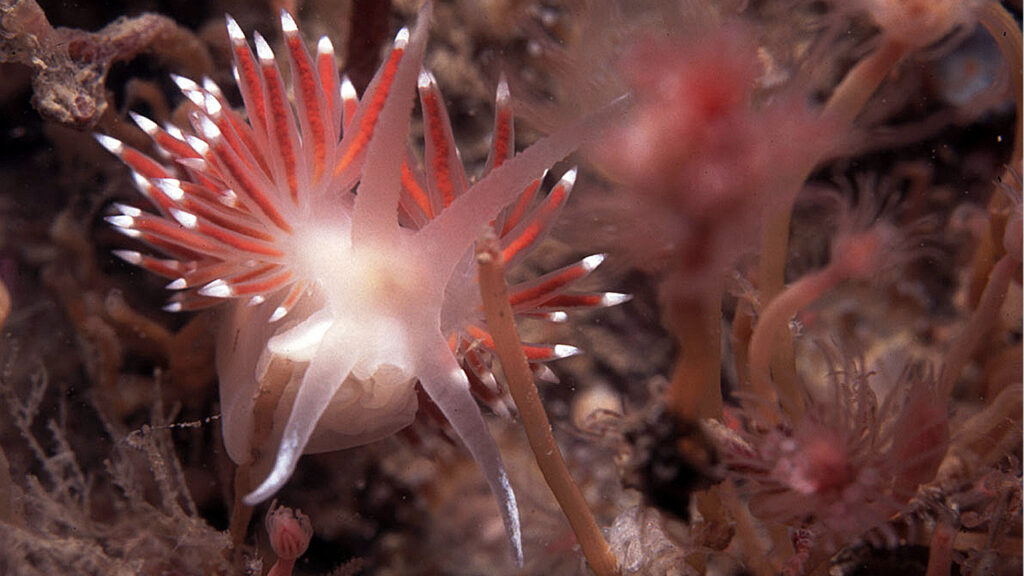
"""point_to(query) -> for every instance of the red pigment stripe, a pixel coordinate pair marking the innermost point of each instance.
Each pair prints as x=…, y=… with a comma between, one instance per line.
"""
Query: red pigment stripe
x=249, y=82
x=280, y=116
x=533, y=352
x=263, y=285
x=573, y=301
x=192, y=302
x=439, y=140
x=248, y=140
x=327, y=68
x=350, y=103
x=376, y=104
x=236, y=240
x=537, y=224
x=293, y=295
x=211, y=180
x=154, y=194
x=503, y=135
x=519, y=209
x=175, y=234
x=223, y=218
x=176, y=148
x=549, y=285
x=143, y=164
x=252, y=274
x=178, y=252
x=481, y=335
x=416, y=192
x=248, y=185
x=502, y=132
x=309, y=86
x=210, y=196
x=234, y=139
x=205, y=274
x=473, y=360
x=161, y=267
x=538, y=353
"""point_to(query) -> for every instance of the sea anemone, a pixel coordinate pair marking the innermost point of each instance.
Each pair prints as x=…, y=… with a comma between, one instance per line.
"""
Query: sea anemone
x=348, y=270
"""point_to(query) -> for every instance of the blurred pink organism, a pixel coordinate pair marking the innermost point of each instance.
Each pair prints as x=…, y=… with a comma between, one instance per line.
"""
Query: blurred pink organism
x=700, y=153
x=852, y=462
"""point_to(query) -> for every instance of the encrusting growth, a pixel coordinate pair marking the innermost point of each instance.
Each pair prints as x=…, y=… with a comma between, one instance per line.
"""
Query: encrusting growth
x=349, y=270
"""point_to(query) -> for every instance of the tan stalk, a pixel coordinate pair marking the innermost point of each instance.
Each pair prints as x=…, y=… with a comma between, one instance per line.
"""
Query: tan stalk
x=982, y=321
x=696, y=388
x=846, y=102
x=494, y=292
x=1007, y=34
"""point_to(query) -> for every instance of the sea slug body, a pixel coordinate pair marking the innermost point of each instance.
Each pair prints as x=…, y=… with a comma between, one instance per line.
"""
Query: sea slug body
x=347, y=269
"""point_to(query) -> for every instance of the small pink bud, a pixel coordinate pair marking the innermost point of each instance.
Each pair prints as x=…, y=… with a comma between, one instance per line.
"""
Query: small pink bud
x=290, y=532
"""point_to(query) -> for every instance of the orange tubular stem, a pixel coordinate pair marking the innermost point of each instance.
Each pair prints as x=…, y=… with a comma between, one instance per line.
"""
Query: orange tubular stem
x=846, y=102
x=500, y=324
x=772, y=324
x=696, y=389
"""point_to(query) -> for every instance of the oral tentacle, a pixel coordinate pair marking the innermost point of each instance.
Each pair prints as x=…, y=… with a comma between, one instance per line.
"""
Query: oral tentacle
x=447, y=385
x=375, y=215
x=447, y=239
x=325, y=375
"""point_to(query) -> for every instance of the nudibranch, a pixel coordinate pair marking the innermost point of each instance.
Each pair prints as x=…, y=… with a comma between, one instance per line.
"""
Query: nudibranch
x=347, y=269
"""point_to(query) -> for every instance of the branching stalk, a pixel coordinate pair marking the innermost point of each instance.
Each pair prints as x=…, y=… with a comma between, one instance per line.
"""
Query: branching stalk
x=240, y=513
x=494, y=292
x=773, y=326
x=850, y=96
x=846, y=102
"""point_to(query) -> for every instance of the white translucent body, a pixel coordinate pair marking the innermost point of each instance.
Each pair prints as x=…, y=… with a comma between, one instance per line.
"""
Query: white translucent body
x=377, y=302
